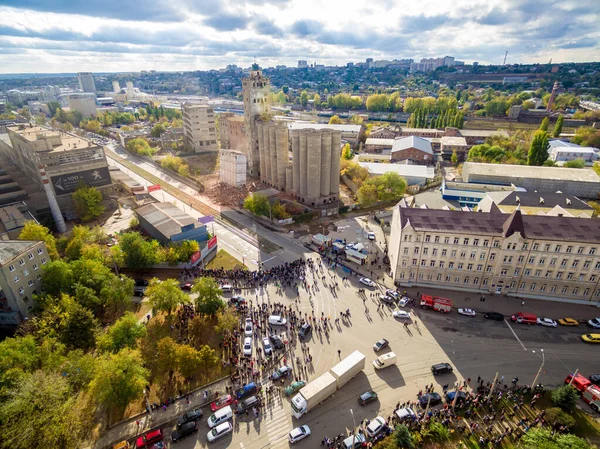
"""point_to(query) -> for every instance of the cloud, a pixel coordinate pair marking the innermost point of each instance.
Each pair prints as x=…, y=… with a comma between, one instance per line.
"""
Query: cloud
x=227, y=22
x=268, y=28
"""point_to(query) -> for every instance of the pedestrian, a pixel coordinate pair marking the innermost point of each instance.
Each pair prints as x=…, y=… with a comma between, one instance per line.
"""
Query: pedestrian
x=339, y=353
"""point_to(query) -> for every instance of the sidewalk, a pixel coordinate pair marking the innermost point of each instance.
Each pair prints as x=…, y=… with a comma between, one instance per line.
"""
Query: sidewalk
x=128, y=429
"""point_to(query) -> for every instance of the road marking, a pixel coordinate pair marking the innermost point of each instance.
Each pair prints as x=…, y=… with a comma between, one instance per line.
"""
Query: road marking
x=241, y=445
x=513, y=332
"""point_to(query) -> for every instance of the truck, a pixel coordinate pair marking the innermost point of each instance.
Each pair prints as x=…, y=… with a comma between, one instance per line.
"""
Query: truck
x=436, y=303
x=591, y=395
x=328, y=383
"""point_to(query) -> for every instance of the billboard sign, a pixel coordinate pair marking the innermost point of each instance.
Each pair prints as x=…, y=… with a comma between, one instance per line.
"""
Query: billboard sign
x=68, y=183
x=195, y=257
x=212, y=242
x=154, y=188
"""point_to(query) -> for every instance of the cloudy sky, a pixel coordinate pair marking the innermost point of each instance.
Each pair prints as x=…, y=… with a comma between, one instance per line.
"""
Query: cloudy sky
x=133, y=35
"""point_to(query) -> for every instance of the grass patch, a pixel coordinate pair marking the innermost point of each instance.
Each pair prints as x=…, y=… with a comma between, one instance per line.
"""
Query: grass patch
x=225, y=261
x=586, y=426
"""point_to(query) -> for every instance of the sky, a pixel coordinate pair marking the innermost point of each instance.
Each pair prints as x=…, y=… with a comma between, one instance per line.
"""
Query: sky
x=58, y=36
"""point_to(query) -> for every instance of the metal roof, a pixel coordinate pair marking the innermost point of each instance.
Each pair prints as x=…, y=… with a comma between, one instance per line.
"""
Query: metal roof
x=527, y=171
x=416, y=142
x=344, y=128
x=11, y=249
x=166, y=218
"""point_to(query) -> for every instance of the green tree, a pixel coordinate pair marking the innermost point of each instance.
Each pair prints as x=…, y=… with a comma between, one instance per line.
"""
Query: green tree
x=556, y=417
x=335, y=120
x=565, y=397
x=42, y=408
x=125, y=333
x=57, y=277
x=538, y=152
x=367, y=195
x=543, y=438
x=403, y=437
x=587, y=136
x=139, y=253
x=544, y=124
x=496, y=107
x=347, y=152
x=140, y=146
x=208, y=358
x=257, y=204
x=209, y=300
x=120, y=378
x=18, y=357
x=88, y=202
x=317, y=101
x=304, y=98
x=165, y=296
x=454, y=158
x=558, y=126
x=575, y=163
x=187, y=361
x=36, y=232
x=158, y=130
x=79, y=368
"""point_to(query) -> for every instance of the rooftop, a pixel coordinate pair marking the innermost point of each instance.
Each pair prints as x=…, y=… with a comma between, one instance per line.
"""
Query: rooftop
x=166, y=218
x=58, y=140
x=448, y=140
x=419, y=143
x=526, y=171
x=413, y=171
x=531, y=199
x=377, y=141
x=482, y=132
x=494, y=223
x=11, y=249
x=560, y=143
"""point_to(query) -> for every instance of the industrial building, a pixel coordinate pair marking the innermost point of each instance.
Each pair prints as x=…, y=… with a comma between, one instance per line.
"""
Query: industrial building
x=12, y=220
x=566, y=151
x=199, y=129
x=232, y=168
x=84, y=103
x=58, y=161
x=315, y=169
x=349, y=133
x=257, y=104
x=21, y=263
x=469, y=195
x=533, y=203
x=412, y=148
x=412, y=174
x=524, y=256
x=169, y=224
x=86, y=82
x=273, y=145
x=582, y=183
x=232, y=132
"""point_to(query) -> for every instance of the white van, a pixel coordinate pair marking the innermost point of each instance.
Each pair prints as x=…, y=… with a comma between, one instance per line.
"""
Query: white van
x=353, y=441
x=227, y=288
x=220, y=416
x=384, y=360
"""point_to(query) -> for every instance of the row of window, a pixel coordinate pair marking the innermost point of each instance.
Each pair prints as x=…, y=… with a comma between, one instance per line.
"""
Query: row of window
x=504, y=272
x=30, y=283
x=523, y=286
x=11, y=268
x=510, y=246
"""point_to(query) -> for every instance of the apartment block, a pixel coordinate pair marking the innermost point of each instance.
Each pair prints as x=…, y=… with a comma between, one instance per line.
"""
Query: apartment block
x=86, y=82
x=199, y=129
x=21, y=265
x=524, y=256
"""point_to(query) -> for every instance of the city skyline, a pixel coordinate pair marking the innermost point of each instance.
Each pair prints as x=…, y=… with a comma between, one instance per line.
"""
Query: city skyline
x=115, y=37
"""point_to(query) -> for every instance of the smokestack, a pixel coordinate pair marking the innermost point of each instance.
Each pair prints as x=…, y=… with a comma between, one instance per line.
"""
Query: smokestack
x=54, y=208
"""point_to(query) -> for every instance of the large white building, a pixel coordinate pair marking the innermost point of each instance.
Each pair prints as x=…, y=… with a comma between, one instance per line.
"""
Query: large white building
x=531, y=256
x=83, y=103
x=199, y=129
x=566, y=151
x=86, y=82
x=232, y=168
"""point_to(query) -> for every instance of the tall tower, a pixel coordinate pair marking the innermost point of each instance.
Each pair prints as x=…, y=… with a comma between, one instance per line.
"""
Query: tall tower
x=552, y=96
x=86, y=82
x=255, y=90
x=116, y=87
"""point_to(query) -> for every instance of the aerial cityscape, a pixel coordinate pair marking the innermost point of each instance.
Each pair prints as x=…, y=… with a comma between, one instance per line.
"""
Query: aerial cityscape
x=280, y=223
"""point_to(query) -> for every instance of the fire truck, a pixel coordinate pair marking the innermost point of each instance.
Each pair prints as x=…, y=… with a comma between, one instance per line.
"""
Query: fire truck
x=592, y=396
x=436, y=303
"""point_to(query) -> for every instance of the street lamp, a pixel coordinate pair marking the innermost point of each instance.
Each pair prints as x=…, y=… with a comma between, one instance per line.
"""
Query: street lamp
x=540, y=370
x=354, y=428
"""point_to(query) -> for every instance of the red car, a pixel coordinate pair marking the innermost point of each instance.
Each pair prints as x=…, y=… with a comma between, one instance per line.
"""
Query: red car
x=186, y=287
x=154, y=436
x=221, y=402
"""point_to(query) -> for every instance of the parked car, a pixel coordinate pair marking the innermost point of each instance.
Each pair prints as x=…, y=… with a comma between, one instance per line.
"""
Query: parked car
x=294, y=387
x=591, y=338
x=354, y=441
x=405, y=301
x=219, y=431
x=277, y=320
x=441, y=368
x=524, y=318
x=387, y=300
x=277, y=343
x=466, y=312
x=376, y=426
x=282, y=371
x=431, y=398
x=406, y=414
x=366, y=281
x=186, y=287
x=220, y=416
x=267, y=346
x=248, y=347
x=184, y=431
x=139, y=291
x=383, y=343
x=366, y=397
x=595, y=379
x=568, y=322
x=149, y=438
x=452, y=394
x=141, y=283
x=248, y=327
x=493, y=316
x=401, y=315
x=237, y=299
x=299, y=433
x=546, y=322
x=371, y=235
x=595, y=323
x=223, y=401
x=247, y=404
x=245, y=391
x=192, y=415
x=304, y=331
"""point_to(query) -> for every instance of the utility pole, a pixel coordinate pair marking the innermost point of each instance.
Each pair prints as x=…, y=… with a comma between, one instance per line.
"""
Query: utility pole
x=505, y=55
x=540, y=370
x=493, y=385
x=573, y=376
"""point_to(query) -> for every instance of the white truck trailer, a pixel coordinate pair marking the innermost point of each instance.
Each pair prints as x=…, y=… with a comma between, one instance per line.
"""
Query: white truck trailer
x=325, y=385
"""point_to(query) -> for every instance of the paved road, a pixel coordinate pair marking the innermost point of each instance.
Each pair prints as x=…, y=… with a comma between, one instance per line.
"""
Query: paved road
x=476, y=347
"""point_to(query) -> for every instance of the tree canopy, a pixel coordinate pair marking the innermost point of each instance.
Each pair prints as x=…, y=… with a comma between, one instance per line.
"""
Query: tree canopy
x=88, y=202
x=35, y=232
x=538, y=152
x=209, y=300
x=385, y=188
x=139, y=253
